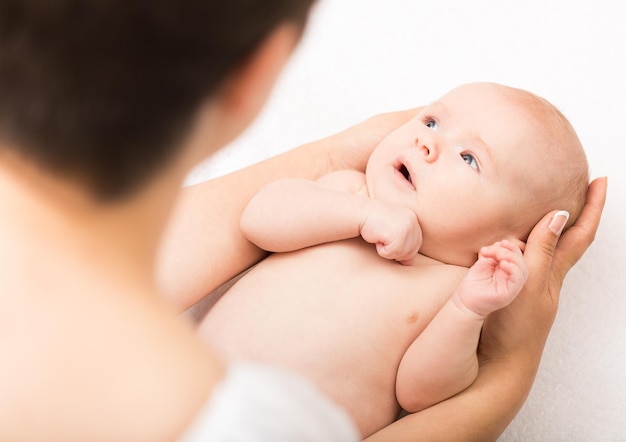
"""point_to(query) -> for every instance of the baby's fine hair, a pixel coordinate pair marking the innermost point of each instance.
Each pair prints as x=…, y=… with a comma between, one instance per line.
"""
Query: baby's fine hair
x=569, y=178
x=103, y=92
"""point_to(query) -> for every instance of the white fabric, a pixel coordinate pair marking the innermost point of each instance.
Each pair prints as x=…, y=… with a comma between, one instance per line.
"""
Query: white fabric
x=257, y=403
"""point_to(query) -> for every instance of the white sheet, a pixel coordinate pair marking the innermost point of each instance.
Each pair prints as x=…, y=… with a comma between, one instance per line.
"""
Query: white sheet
x=361, y=57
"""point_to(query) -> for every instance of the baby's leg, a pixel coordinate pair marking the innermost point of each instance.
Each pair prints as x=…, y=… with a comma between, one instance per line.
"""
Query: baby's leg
x=442, y=361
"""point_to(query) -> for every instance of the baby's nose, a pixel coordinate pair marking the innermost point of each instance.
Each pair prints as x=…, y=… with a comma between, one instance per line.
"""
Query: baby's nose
x=428, y=149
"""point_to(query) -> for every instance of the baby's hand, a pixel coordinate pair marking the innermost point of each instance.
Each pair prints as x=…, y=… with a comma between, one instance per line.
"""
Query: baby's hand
x=394, y=229
x=494, y=280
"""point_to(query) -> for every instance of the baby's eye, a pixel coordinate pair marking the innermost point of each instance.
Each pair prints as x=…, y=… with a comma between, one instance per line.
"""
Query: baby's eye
x=432, y=124
x=469, y=159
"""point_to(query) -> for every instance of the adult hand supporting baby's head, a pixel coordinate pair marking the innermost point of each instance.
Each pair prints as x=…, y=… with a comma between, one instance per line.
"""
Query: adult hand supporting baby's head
x=513, y=338
x=575, y=241
x=549, y=257
x=524, y=325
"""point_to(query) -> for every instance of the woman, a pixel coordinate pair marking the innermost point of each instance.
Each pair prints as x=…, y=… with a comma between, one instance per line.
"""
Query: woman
x=104, y=109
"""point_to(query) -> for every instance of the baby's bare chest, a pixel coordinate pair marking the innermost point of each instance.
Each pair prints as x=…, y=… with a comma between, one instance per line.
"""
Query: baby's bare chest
x=339, y=315
x=337, y=297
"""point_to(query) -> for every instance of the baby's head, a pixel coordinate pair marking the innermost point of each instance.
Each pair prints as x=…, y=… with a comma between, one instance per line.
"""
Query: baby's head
x=483, y=163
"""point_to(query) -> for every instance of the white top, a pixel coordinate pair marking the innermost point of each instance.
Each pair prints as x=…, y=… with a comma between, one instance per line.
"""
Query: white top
x=256, y=402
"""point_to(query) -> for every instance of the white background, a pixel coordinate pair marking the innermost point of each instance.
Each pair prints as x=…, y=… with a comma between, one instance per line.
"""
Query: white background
x=362, y=57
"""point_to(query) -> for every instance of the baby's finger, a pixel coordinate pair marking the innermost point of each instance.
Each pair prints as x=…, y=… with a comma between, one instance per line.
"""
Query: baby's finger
x=513, y=256
x=383, y=250
x=503, y=251
x=516, y=273
x=519, y=244
x=513, y=246
x=407, y=257
x=491, y=251
x=406, y=262
x=390, y=251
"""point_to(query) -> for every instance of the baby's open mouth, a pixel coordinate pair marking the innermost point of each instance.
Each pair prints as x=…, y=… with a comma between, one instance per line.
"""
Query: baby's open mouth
x=405, y=173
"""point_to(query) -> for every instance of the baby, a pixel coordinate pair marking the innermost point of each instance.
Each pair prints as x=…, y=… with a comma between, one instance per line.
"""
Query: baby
x=370, y=296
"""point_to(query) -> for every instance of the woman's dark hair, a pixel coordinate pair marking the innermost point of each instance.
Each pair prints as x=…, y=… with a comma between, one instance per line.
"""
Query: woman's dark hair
x=102, y=91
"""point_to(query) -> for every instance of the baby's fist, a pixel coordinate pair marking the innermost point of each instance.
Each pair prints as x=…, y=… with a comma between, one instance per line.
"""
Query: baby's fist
x=394, y=229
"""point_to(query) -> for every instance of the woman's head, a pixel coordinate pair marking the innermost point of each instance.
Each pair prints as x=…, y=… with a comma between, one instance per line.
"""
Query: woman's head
x=103, y=91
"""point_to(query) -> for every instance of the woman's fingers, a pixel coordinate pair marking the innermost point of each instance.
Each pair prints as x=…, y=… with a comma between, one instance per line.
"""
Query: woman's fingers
x=351, y=148
x=540, y=248
x=579, y=236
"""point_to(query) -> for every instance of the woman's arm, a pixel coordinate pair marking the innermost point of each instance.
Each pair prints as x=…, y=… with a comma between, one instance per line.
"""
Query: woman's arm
x=204, y=247
x=512, y=340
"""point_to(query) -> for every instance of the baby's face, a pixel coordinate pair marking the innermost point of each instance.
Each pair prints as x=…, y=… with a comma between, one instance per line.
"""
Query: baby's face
x=463, y=165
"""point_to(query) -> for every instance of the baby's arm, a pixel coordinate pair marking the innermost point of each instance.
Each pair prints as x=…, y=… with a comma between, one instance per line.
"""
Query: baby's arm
x=292, y=214
x=442, y=361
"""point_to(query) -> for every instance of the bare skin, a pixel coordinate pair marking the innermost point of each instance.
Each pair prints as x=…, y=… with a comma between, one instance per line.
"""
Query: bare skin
x=502, y=382
x=512, y=339
x=329, y=338
x=67, y=306
x=420, y=321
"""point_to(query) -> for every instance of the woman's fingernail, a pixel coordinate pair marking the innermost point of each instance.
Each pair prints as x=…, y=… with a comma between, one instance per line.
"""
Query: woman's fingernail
x=559, y=219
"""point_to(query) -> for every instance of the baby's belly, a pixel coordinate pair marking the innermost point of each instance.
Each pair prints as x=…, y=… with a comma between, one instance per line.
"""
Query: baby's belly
x=338, y=314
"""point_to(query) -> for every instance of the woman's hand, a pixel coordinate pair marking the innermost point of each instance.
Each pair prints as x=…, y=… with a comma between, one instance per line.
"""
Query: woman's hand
x=549, y=259
x=351, y=148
